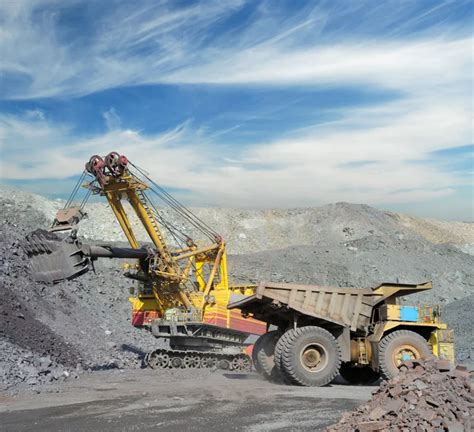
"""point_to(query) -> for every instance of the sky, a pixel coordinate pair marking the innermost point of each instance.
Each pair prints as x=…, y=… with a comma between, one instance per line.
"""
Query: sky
x=251, y=104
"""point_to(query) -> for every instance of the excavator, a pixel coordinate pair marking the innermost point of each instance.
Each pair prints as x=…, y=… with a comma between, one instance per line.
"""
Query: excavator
x=181, y=289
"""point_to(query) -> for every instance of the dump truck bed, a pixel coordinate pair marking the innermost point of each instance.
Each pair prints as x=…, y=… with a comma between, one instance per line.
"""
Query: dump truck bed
x=345, y=307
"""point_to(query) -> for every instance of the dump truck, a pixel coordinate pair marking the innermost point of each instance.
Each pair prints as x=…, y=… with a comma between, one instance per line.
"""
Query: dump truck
x=360, y=333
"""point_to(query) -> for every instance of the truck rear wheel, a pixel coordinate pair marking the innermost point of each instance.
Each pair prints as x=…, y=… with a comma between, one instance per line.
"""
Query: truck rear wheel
x=310, y=356
x=399, y=346
x=358, y=375
x=263, y=353
x=281, y=343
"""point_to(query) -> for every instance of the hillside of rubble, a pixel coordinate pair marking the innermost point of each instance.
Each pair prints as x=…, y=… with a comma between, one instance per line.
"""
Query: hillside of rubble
x=46, y=331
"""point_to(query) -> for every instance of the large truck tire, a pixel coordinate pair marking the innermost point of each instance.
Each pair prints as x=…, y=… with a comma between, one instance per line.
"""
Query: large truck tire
x=281, y=343
x=310, y=356
x=263, y=353
x=399, y=346
x=278, y=373
x=358, y=375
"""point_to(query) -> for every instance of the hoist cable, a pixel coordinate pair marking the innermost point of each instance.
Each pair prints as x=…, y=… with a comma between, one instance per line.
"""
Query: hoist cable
x=177, y=206
x=174, y=232
x=76, y=188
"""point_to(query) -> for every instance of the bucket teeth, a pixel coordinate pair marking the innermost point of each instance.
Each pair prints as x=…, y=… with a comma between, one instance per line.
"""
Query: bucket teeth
x=54, y=259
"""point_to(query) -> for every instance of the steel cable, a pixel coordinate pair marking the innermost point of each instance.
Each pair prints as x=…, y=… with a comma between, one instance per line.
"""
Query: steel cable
x=76, y=188
x=178, y=207
x=177, y=203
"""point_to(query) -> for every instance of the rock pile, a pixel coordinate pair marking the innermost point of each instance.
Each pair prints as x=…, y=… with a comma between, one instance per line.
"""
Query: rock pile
x=346, y=245
x=46, y=330
x=19, y=366
x=251, y=230
x=427, y=395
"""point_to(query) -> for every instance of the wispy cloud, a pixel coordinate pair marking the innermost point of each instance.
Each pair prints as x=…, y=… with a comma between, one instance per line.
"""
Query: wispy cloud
x=153, y=43
x=412, y=51
x=114, y=46
x=400, y=65
x=304, y=169
x=112, y=119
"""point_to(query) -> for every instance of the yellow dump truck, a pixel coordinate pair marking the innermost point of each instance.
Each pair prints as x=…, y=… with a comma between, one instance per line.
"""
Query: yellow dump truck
x=360, y=333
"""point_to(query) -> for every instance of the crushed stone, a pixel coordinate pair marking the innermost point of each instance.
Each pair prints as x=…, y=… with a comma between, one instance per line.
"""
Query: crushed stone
x=85, y=324
x=427, y=395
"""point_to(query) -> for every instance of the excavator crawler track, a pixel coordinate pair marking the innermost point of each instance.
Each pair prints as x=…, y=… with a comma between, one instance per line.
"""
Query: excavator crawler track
x=188, y=359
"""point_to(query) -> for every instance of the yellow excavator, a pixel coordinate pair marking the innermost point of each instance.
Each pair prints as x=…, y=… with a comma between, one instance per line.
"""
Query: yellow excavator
x=182, y=288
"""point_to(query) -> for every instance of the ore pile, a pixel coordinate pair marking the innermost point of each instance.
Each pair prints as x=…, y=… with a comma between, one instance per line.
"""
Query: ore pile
x=425, y=396
x=29, y=351
x=85, y=323
x=49, y=333
x=24, y=367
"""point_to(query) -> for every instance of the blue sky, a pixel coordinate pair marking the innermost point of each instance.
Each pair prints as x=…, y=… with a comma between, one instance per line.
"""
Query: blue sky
x=245, y=103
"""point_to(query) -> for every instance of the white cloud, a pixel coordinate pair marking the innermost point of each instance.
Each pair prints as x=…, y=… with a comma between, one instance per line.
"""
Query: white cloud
x=112, y=119
x=312, y=167
x=404, y=64
x=34, y=114
x=151, y=43
x=430, y=73
x=126, y=45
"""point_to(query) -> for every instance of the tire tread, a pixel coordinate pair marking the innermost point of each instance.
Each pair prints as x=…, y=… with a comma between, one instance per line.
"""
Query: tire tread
x=279, y=347
x=259, y=356
x=384, y=368
x=287, y=364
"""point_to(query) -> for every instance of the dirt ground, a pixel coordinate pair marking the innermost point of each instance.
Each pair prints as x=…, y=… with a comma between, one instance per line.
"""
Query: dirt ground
x=178, y=401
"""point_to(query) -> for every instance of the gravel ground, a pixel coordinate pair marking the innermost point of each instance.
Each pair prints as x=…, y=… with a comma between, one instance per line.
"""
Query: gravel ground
x=366, y=262
x=85, y=324
x=144, y=400
x=459, y=316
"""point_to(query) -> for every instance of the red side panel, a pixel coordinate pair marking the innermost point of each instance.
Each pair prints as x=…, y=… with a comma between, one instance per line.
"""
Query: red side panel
x=236, y=322
x=137, y=318
x=143, y=318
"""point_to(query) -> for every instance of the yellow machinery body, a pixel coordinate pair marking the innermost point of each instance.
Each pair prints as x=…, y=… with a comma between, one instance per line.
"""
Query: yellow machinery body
x=190, y=284
x=359, y=318
x=182, y=287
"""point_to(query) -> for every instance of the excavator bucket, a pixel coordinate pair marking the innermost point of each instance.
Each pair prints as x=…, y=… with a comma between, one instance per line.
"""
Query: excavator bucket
x=54, y=259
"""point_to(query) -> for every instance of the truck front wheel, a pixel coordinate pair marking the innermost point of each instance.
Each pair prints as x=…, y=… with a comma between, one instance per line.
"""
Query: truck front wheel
x=400, y=346
x=310, y=356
